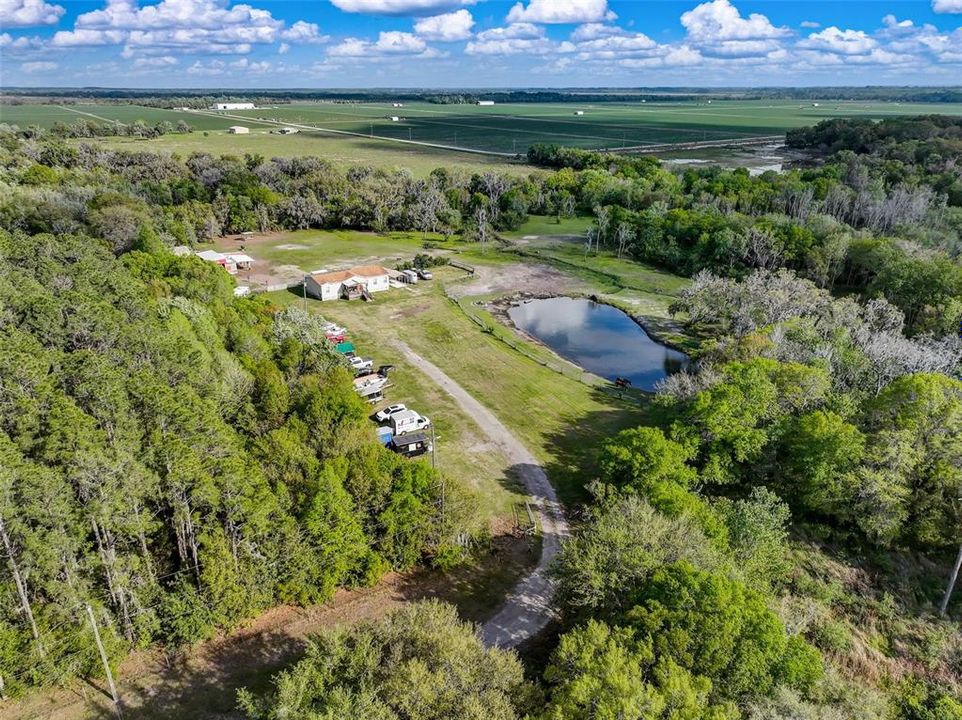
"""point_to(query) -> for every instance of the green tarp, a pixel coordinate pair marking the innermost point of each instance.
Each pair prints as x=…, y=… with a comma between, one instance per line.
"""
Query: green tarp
x=345, y=347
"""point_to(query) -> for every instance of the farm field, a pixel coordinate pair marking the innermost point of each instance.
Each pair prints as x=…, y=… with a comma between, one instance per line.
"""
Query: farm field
x=370, y=135
x=511, y=128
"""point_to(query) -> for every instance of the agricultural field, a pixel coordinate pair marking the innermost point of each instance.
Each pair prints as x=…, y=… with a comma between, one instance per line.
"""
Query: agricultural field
x=511, y=128
x=428, y=135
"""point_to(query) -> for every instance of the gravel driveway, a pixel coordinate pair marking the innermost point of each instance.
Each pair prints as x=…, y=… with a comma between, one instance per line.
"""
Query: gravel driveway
x=528, y=608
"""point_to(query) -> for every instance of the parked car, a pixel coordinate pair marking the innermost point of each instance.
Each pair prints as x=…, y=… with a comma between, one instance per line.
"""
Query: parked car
x=385, y=414
x=336, y=338
x=334, y=328
x=425, y=274
x=361, y=365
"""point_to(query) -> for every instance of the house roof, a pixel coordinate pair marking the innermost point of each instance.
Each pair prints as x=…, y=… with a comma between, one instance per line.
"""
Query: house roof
x=240, y=257
x=339, y=276
x=331, y=277
x=368, y=270
x=211, y=255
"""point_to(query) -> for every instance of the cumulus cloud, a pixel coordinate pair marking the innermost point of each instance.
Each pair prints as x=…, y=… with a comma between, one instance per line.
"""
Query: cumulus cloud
x=161, y=61
x=947, y=6
x=388, y=43
x=720, y=20
x=892, y=22
x=810, y=24
x=844, y=42
x=39, y=66
x=399, y=7
x=304, y=33
x=592, y=31
x=19, y=44
x=29, y=13
x=516, y=39
x=561, y=11
x=207, y=27
x=448, y=27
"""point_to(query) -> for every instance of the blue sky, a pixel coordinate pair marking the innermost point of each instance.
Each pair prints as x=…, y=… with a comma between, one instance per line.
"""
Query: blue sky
x=478, y=43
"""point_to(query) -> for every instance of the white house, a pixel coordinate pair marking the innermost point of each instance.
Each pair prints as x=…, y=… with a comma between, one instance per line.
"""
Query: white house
x=238, y=130
x=233, y=106
x=352, y=283
x=240, y=260
x=485, y=102
x=220, y=258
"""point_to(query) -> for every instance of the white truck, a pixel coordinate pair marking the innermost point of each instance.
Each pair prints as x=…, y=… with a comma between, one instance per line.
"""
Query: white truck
x=406, y=421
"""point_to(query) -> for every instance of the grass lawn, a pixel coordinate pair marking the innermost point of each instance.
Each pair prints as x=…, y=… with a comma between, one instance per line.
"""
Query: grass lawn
x=341, y=151
x=548, y=225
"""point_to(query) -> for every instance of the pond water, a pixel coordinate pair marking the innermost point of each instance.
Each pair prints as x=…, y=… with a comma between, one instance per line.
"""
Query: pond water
x=600, y=338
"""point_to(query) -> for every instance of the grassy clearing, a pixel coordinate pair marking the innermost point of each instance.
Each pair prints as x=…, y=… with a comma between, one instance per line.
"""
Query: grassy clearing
x=339, y=150
x=542, y=225
x=560, y=419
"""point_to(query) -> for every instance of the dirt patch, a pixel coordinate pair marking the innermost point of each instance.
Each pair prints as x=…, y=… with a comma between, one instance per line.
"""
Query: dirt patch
x=530, y=278
x=292, y=246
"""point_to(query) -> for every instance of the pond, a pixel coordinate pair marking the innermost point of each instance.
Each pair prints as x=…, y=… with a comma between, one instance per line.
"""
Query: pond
x=601, y=339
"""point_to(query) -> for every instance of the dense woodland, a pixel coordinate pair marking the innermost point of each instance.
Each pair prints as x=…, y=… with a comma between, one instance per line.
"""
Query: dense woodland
x=767, y=544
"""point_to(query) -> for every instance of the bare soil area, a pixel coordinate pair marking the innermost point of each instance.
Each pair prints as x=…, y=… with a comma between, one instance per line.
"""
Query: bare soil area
x=527, y=277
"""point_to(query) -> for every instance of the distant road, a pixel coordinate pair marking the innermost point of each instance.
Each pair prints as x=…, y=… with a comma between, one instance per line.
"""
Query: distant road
x=527, y=610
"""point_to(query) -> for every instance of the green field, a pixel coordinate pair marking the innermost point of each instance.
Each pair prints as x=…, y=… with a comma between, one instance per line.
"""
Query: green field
x=504, y=128
x=511, y=128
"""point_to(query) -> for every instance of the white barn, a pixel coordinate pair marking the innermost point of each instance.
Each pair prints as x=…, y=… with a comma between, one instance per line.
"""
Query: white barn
x=485, y=102
x=238, y=130
x=351, y=283
x=233, y=106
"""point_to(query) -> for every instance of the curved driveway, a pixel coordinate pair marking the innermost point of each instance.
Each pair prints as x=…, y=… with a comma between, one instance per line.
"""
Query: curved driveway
x=528, y=608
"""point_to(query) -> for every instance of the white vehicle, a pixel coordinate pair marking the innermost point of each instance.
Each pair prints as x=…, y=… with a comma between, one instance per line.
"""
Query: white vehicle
x=410, y=276
x=333, y=329
x=385, y=414
x=423, y=423
x=405, y=421
x=361, y=365
x=425, y=274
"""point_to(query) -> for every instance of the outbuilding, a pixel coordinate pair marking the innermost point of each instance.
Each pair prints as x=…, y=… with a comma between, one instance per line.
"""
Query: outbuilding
x=238, y=130
x=220, y=258
x=485, y=102
x=355, y=282
x=395, y=118
x=240, y=260
x=233, y=106
x=579, y=112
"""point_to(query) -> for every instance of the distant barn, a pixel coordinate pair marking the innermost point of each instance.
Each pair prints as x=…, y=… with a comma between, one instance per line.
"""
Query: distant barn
x=485, y=102
x=233, y=106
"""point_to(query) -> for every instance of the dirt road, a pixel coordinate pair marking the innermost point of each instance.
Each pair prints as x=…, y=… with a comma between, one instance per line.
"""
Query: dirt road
x=527, y=609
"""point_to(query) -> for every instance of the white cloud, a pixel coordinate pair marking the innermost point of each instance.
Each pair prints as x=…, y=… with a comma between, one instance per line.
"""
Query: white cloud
x=892, y=22
x=517, y=31
x=38, y=67
x=516, y=39
x=283, y=49
x=304, y=33
x=22, y=43
x=561, y=11
x=29, y=13
x=592, y=31
x=720, y=20
x=446, y=28
x=160, y=61
x=810, y=24
x=844, y=42
x=947, y=6
x=399, y=7
x=87, y=38
x=616, y=46
x=389, y=43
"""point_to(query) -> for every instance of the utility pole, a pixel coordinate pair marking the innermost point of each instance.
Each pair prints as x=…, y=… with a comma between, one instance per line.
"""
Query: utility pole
x=103, y=658
x=304, y=295
x=951, y=586
x=434, y=448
